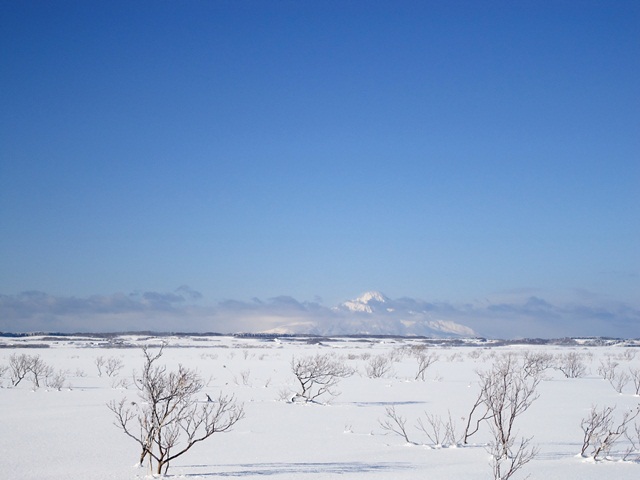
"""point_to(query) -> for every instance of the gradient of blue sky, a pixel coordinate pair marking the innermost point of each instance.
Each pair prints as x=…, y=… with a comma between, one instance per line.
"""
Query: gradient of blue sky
x=446, y=151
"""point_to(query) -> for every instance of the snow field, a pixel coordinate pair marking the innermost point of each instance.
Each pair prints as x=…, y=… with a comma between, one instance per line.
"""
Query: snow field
x=49, y=434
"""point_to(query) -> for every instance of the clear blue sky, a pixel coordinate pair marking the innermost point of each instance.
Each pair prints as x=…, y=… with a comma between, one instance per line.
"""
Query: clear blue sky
x=440, y=150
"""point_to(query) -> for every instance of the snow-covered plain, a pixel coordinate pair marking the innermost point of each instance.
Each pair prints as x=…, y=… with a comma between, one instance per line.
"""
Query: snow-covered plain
x=50, y=434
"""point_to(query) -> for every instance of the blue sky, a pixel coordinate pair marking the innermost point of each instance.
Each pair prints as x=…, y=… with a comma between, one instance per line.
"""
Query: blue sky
x=454, y=152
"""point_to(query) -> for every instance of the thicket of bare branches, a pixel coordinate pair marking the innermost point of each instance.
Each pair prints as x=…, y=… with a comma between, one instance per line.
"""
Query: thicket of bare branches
x=32, y=366
x=318, y=375
x=571, y=364
x=601, y=431
x=168, y=419
x=378, y=366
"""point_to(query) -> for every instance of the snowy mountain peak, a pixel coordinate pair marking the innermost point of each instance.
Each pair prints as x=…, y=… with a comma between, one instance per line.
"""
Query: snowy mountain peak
x=364, y=302
x=369, y=297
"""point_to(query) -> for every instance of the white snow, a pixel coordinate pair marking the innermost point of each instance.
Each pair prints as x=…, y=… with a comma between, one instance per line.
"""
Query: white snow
x=69, y=434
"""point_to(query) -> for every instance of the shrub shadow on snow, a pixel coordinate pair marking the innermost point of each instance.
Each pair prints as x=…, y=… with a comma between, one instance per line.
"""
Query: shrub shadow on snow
x=386, y=404
x=302, y=468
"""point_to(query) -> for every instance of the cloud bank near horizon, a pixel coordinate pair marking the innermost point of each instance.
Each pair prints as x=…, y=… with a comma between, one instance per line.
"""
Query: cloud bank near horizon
x=179, y=311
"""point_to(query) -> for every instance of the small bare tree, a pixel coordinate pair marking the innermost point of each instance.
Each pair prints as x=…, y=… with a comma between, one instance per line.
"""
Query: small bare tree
x=619, y=381
x=378, y=366
x=39, y=370
x=99, y=364
x=19, y=366
x=395, y=423
x=318, y=375
x=507, y=392
x=535, y=363
x=635, y=376
x=571, y=364
x=607, y=368
x=112, y=366
x=425, y=359
x=475, y=419
x=169, y=420
x=440, y=432
x=57, y=380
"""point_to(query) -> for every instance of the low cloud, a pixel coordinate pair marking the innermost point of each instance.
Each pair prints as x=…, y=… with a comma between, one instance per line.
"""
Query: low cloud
x=515, y=316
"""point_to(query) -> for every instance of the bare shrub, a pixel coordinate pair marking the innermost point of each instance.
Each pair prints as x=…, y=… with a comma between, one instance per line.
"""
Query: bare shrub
x=120, y=383
x=57, y=380
x=395, y=423
x=169, y=420
x=378, y=366
x=619, y=381
x=318, y=375
x=99, y=361
x=440, y=432
x=39, y=370
x=425, y=359
x=3, y=370
x=571, y=364
x=633, y=436
x=508, y=392
x=601, y=431
x=504, y=467
x=535, y=363
x=607, y=369
x=475, y=354
x=245, y=375
x=19, y=367
x=112, y=366
x=627, y=355
x=635, y=376
x=24, y=365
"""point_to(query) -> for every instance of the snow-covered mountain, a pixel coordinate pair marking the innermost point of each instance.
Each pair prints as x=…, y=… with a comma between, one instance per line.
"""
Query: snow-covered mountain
x=374, y=313
x=368, y=302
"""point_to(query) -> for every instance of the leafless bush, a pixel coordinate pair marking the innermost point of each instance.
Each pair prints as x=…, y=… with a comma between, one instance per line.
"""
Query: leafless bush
x=440, y=432
x=113, y=366
x=535, y=363
x=635, y=376
x=601, y=431
x=169, y=420
x=475, y=354
x=378, y=366
x=395, y=423
x=120, y=383
x=627, y=355
x=571, y=364
x=57, y=380
x=607, y=369
x=619, y=381
x=99, y=361
x=508, y=392
x=425, y=360
x=39, y=370
x=245, y=374
x=318, y=375
x=32, y=365
x=397, y=354
x=19, y=367
x=504, y=467
x=633, y=437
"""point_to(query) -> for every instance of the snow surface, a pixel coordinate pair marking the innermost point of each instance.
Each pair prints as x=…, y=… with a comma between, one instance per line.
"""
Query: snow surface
x=69, y=434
